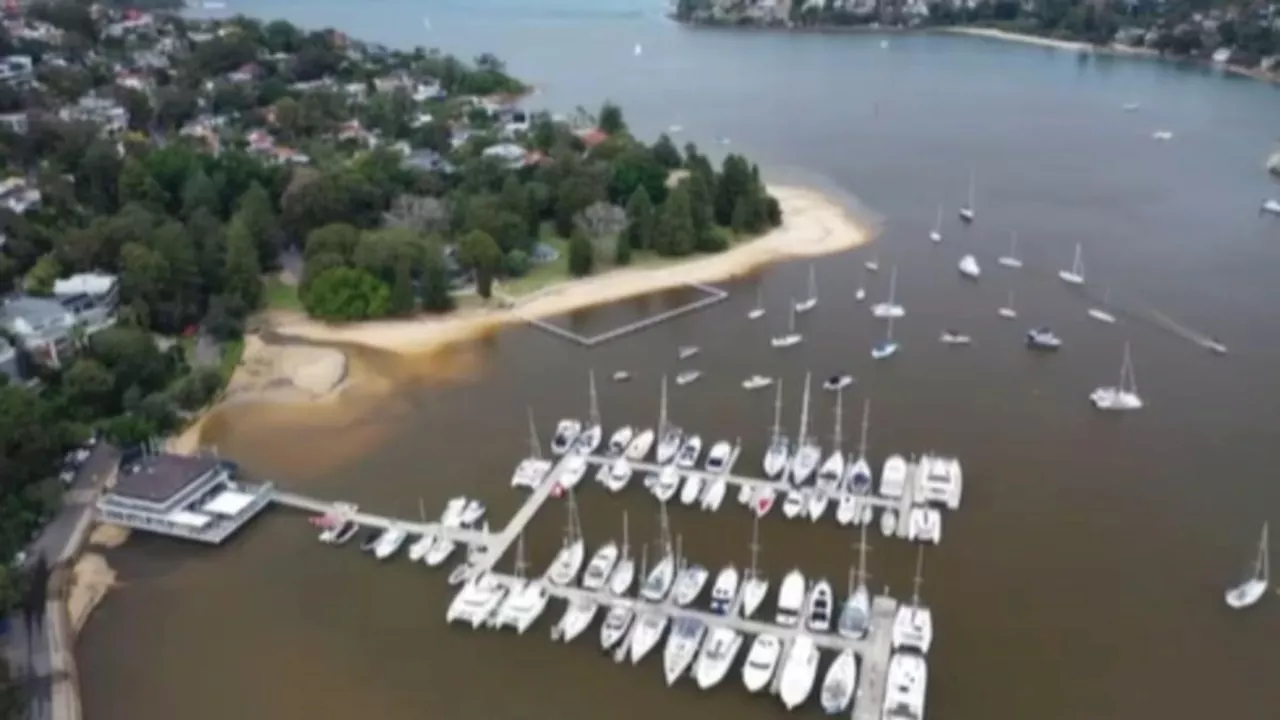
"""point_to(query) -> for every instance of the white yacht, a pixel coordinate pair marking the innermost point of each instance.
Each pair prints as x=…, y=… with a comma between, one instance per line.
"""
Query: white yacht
x=476, y=601
x=1271, y=206
x=806, y=461
x=818, y=606
x=810, y=302
x=794, y=504
x=1074, y=276
x=837, y=382
x=893, y=476
x=872, y=265
x=572, y=471
x=669, y=444
x=905, y=690
x=724, y=590
x=420, y=547
x=761, y=663
x=890, y=308
x=716, y=657
x=567, y=432
x=776, y=457
x=939, y=480
x=924, y=524
x=819, y=500
x=1255, y=586
x=473, y=513
x=453, y=512
x=840, y=683
x=688, y=376
x=855, y=613
x=954, y=337
x=615, y=626
x=887, y=347
x=1043, y=339
x=757, y=382
x=624, y=572
x=523, y=606
x=660, y=579
x=530, y=472
x=936, y=233
x=691, y=490
x=969, y=267
x=684, y=352
x=648, y=631
x=617, y=474
x=754, y=589
x=620, y=439
x=799, y=671
x=1122, y=396
x=389, y=542
x=621, y=376
x=439, y=551
x=763, y=501
x=967, y=212
x=757, y=312
x=668, y=483
x=590, y=439
x=718, y=458
x=568, y=561
x=713, y=496
x=790, y=337
x=689, y=584
x=639, y=446
x=913, y=623
x=576, y=619
x=1008, y=312
x=831, y=471
x=682, y=647
x=791, y=597
x=601, y=566
x=689, y=453
x=888, y=522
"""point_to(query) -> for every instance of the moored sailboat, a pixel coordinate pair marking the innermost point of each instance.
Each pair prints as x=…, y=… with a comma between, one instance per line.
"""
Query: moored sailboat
x=1011, y=260
x=967, y=211
x=810, y=302
x=890, y=307
x=791, y=337
x=1074, y=276
x=779, y=451
x=1250, y=591
x=1122, y=396
x=840, y=683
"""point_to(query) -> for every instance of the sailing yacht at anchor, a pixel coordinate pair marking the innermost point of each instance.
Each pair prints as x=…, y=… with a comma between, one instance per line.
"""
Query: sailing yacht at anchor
x=886, y=347
x=1075, y=275
x=890, y=308
x=967, y=212
x=1251, y=590
x=757, y=311
x=936, y=233
x=1122, y=396
x=791, y=337
x=1100, y=313
x=811, y=302
x=1008, y=312
x=1011, y=260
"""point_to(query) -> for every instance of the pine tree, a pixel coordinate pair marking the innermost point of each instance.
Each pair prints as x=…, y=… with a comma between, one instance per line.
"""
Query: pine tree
x=701, y=212
x=640, y=220
x=675, y=233
x=582, y=257
x=242, y=278
x=254, y=208
x=435, y=280
x=402, y=300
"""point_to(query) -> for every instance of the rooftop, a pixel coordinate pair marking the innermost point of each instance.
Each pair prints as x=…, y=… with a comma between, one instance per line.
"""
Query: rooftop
x=37, y=312
x=157, y=478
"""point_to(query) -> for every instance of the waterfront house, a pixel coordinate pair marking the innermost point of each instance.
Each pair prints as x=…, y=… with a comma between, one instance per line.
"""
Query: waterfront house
x=42, y=326
x=91, y=297
x=189, y=497
x=17, y=123
x=17, y=70
x=102, y=111
x=18, y=197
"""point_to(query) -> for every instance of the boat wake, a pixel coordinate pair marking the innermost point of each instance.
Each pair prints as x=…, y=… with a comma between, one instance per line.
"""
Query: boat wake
x=1187, y=333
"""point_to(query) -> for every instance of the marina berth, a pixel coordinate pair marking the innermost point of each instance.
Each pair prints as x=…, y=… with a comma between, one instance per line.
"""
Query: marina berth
x=659, y=580
x=389, y=542
x=523, y=606
x=761, y=663
x=818, y=606
x=566, y=434
x=572, y=471
x=791, y=599
x=682, y=647
x=839, y=684
x=691, y=491
x=620, y=439
x=418, y=550
x=794, y=504
x=939, y=480
x=893, y=477
x=615, y=626
x=799, y=671
x=617, y=475
x=716, y=657
x=668, y=483
x=925, y=525
x=721, y=454
x=689, y=453
x=640, y=445
x=713, y=496
x=577, y=617
x=904, y=695
x=689, y=584
x=476, y=601
x=648, y=631
x=724, y=591
x=600, y=567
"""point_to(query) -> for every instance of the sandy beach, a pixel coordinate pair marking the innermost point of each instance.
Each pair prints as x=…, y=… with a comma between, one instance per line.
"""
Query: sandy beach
x=812, y=225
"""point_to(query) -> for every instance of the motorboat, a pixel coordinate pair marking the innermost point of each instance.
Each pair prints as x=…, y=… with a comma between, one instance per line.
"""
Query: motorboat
x=818, y=606
x=939, y=480
x=639, y=446
x=390, y=542
x=370, y=540
x=799, y=671
x=620, y=439
x=567, y=562
x=684, y=352
x=689, y=584
x=754, y=590
x=567, y=432
x=855, y=614
x=616, y=624
x=682, y=647
x=872, y=265
x=746, y=491
x=689, y=453
x=572, y=471
x=776, y=457
x=761, y=663
x=1255, y=586
x=476, y=601
x=716, y=657
x=691, y=490
x=924, y=524
x=860, y=294
x=421, y=547
x=893, y=476
x=530, y=472
x=1123, y=395
x=1043, y=339
x=718, y=458
x=818, y=502
x=756, y=382
x=1074, y=276
x=905, y=687
x=840, y=683
x=688, y=376
x=791, y=597
x=724, y=590
x=576, y=619
x=713, y=496
x=624, y=574
x=668, y=483
x=600, y=567
x=794, y=504
x=473, y=513
x=648, y=631
x=439, y=551
x=669, y=444
x=1214, y=346
x=617, y=474
x=884, y=349
x=913, y=628
x=453, y=512
x=951, y=337
x=837, y=382
x=589, y=440
x=1162, y=135
x=805, y=461
x=523, y=606
x=888, y=522
x=969, y=268
x=340, y=533
x=621, y=376
x=1271, y=206
x=858, y=475
x=763, y=501
x=660, y=579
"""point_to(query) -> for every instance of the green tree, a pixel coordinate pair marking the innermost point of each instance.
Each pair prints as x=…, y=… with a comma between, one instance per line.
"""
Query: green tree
x=581, y=253
x=89, y=388
x=259, y=218
x=621, y=251
x=200, y=193
x=636, y=167
x=481, y=253
x=735, y=181
x=675, y=234
x=435, y=279
x=402, y=301
x=665, y=152
x=242, y=279
x=640, y=220
x=338, y=239
x=575, y=194
x=42, y=275
x=611, y=120
x=702, y=211
x=137, y=186
x=346, y=294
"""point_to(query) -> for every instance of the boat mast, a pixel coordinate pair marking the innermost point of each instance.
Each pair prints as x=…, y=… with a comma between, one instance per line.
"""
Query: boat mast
x=520, y=564
x=535, y=447
x=888, y=338
x=866, y=418
x=1013, y=243
x=759, y=297
x=573, y=531
x=595, y=407
x=1126, y=372
x=893, y=283
x=862, y=558
x=813, y=283
x=837, y=435
x=1077, y=265
x=664, y=529
x=915, y=589
x=1264, y=557
x=679, y=555
x=937, y=223
x=777, y=412
x=626, y=545
x=755, y=546
x=662, y=410
x=791, y=322
x=804, y=412
x=972, y=182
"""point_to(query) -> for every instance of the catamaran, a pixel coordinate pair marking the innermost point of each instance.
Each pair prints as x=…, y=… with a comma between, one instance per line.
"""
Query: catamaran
x=1075, y=275
x=841, y=681
x=716, y=657
x=525, y=602
x=779, y=451
x=924, y=524
x=799, y=671
x=682, y=647
x=855, y=613
x=913, y=623
x=1011, y=260
x=476, y=601
x=791, y=596
x=624, y=571
x=969, y=267
x=810, y=302
x=533, y=469
x=761, y=663
x=886, y=347
x=1100, y=313
x=936, y=233
x=757, y=312
x=1252, y=589
x=568, y=560
x=1123, y=395
x=809, y=453
x=754, y=586
x=757, y=382
x=639, y=446
x=1008, y=312
x=967, y=212
x=890, y=308
x=791, y=337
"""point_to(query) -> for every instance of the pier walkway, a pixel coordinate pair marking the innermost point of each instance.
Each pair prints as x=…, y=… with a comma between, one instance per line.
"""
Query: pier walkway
x=713, y=296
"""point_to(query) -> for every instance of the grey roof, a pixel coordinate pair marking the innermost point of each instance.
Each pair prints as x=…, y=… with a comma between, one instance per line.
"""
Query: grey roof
x=157, y=478
x=37, y=311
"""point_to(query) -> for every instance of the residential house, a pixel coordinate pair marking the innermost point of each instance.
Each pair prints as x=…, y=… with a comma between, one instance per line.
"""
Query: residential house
x=17, y=70
x=17, y=196
x=422, y=92
x=592, y=137
x=134, y=80
x=15, y=122
x=353, y=130
x=510, y=153
x=134, y=23
x=393, y=82
x=245, y=74
x=106, y=112
x=42, y=326
x=429, y=160
x=91, y=297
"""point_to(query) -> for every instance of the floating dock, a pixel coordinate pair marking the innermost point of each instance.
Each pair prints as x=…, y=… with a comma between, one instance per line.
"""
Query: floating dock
x=713, y=296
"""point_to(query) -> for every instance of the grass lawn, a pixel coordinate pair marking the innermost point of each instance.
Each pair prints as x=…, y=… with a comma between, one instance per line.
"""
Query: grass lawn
x=232, y=350
x=541, y=276
x=281, y=295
